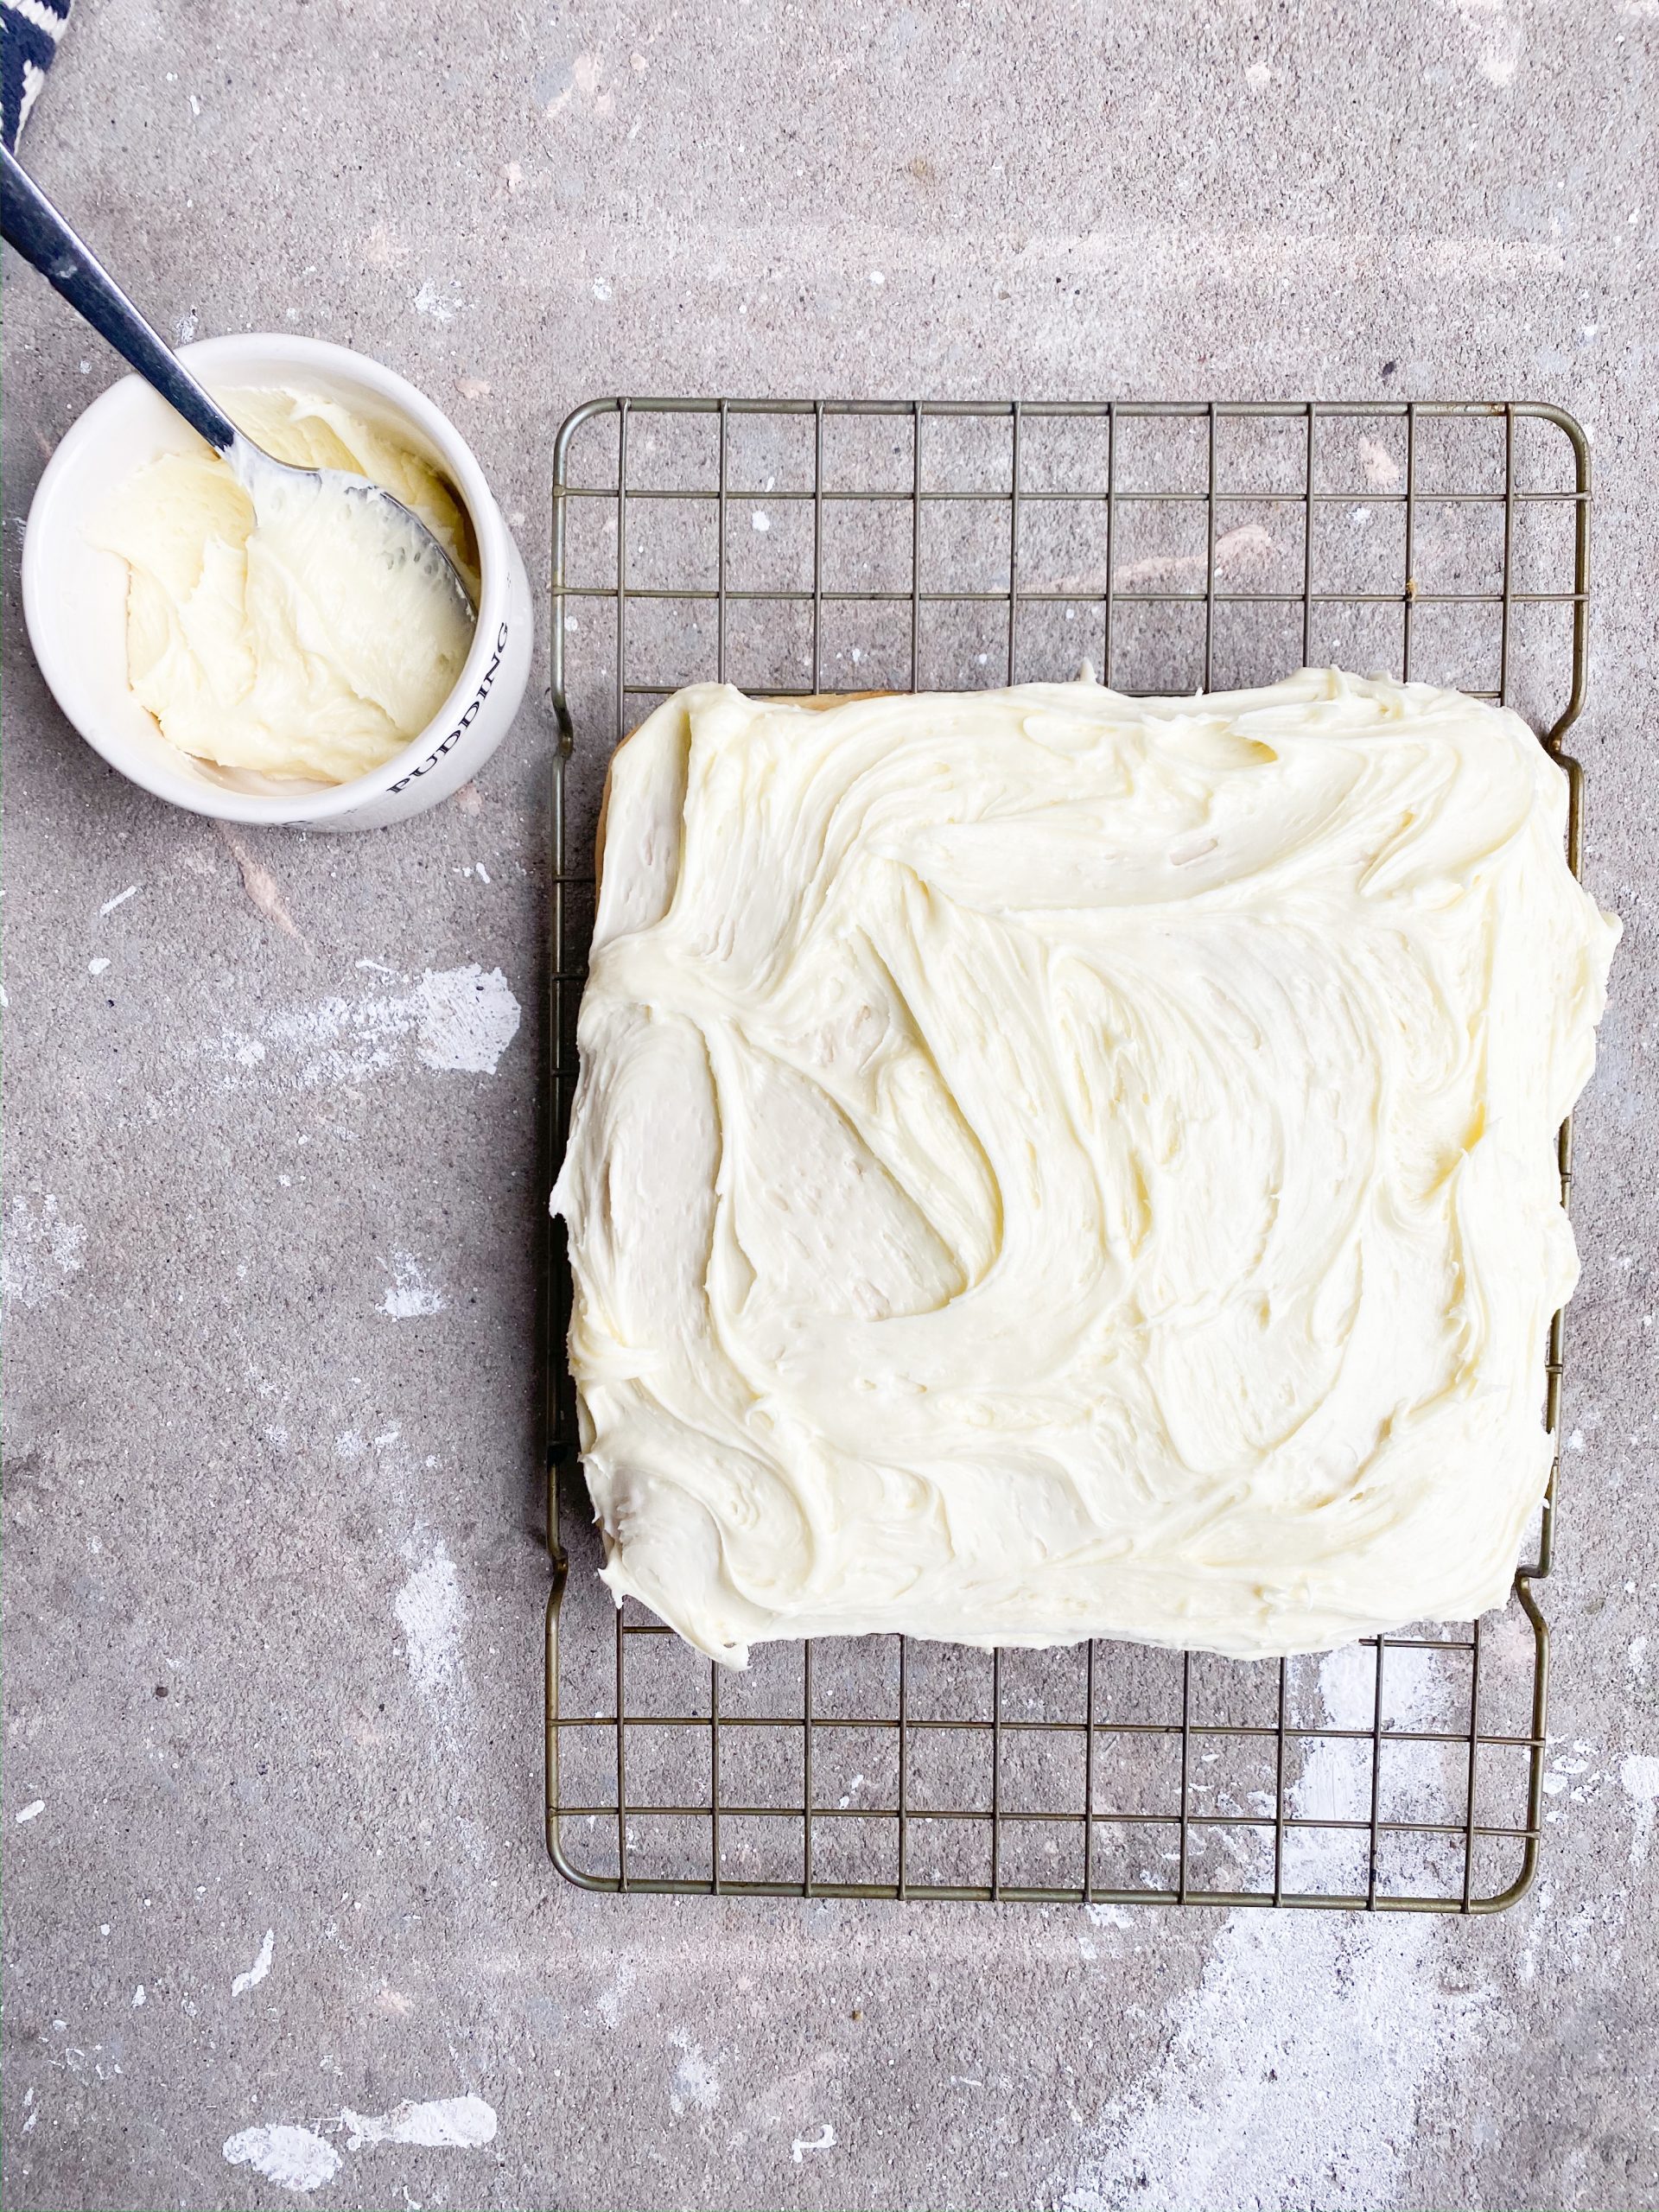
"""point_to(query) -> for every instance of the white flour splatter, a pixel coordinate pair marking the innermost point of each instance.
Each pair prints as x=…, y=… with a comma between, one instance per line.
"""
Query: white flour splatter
x=1109, y=1915
x=429, y=1613
x=466, y=1019
x=40, y=1247
x=1537, y=1909
x=1264, y=2098
x=695, y=2080
x=1266, y=2102
x=411, y=1295
x=1640, y=1777
x=293, y=2157
x=429, y=301
x=261, y=1967
x=442, y=2124
x=296, y=2158
x=459, y=1020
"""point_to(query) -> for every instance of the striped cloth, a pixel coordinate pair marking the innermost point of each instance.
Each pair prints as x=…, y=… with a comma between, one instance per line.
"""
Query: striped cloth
x=30, y=31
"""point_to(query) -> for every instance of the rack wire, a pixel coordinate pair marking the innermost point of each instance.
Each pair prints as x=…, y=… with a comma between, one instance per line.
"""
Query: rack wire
x=796, y=547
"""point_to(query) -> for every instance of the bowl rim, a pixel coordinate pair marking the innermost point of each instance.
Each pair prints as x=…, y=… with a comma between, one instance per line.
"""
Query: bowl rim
x=280, y=353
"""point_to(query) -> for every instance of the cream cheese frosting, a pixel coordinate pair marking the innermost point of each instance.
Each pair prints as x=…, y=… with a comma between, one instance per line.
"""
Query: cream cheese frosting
x=280, y=626
x=1050, y=1165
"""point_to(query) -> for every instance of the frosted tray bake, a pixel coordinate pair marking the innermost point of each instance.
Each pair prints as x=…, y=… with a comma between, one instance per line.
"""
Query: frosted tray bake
x=1051, y=1166
x=944, y=544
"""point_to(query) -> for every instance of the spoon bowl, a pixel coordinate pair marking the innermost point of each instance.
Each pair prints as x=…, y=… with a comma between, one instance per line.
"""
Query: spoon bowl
x=75, y=589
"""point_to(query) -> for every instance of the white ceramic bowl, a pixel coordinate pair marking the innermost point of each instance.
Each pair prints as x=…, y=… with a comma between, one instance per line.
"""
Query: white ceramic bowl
x=74, y=595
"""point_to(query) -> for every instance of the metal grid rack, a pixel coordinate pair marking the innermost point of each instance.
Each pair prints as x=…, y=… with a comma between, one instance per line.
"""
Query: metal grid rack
x=794, y=547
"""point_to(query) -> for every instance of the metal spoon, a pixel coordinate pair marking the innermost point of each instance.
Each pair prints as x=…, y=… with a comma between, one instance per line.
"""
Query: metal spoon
x=29, y=222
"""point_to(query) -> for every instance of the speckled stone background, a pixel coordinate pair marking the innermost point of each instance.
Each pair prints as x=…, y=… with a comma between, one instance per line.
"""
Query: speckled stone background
x=273, y=1588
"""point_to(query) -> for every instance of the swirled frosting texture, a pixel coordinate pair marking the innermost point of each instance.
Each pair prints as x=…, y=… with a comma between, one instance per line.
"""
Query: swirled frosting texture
x=1051, y=1165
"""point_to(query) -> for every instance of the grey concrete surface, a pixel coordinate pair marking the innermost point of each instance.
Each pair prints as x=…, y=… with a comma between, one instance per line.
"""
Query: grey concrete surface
x=272, y=1586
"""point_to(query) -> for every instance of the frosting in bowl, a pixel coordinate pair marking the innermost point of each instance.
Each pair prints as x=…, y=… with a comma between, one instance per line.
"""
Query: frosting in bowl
x=277, y=625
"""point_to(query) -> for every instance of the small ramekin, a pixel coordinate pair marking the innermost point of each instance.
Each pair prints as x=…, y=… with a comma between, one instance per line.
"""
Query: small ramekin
x=74, y=595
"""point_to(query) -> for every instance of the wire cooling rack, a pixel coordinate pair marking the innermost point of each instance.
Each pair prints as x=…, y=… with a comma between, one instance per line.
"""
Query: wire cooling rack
x=793, y=547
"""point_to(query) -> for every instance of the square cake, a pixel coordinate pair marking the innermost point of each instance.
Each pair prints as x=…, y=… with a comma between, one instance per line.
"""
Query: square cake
x=1049, y=1164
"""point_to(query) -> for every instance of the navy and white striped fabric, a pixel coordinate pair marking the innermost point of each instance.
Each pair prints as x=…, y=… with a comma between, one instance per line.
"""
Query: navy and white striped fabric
x=30, y=31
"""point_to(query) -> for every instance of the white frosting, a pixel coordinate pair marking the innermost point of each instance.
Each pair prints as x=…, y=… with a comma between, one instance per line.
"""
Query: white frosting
x=278, y=625
x=1051, y=1165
